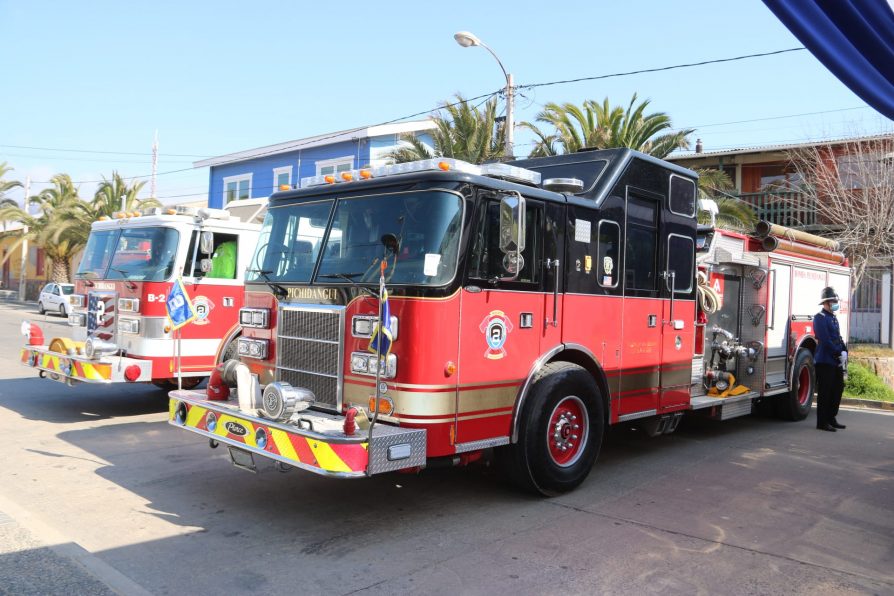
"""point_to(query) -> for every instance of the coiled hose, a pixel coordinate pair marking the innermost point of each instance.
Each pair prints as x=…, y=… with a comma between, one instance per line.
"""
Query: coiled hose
x=708, y=299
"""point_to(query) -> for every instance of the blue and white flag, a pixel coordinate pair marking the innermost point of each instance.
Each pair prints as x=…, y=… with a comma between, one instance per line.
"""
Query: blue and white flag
x=180, y=309
x=380, y=342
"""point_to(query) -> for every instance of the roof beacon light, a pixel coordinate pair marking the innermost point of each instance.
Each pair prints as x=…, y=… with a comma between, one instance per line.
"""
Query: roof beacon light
x=494, y=170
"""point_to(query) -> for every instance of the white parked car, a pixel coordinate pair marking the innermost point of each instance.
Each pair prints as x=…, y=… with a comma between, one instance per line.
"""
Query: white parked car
x=54, y=298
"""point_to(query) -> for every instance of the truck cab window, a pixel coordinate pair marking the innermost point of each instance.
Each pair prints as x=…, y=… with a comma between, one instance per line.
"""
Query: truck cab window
x=607, y=255
x=642, y=244
x=486, y=261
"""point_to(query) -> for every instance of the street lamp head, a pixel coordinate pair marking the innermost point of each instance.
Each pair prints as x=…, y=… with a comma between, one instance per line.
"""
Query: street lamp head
x=466, y=39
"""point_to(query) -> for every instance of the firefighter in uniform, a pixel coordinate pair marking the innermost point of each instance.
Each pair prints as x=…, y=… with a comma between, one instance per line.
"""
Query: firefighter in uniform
x=831, y=361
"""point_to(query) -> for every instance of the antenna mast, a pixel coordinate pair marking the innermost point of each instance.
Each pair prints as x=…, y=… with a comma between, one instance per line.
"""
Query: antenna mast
x=154, y=165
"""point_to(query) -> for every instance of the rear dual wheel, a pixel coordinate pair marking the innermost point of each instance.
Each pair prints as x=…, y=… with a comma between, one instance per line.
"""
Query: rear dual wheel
x=560, y=431
x=795, y=405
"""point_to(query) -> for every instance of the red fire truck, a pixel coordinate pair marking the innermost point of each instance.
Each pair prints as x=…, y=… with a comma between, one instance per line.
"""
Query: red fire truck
x=120, y=328
x=532, y=305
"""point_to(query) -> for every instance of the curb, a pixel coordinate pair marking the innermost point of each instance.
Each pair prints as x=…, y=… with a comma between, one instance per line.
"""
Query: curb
x=867, y=403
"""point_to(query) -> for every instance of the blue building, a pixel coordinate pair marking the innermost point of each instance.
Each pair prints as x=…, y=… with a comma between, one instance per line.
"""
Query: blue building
x=257, y=173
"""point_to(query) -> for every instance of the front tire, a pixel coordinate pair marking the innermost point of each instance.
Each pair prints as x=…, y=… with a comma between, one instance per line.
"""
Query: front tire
x=795, y=405
x=560, y=431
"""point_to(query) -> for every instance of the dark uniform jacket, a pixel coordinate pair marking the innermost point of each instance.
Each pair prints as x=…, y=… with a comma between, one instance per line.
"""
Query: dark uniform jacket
x=831, y=345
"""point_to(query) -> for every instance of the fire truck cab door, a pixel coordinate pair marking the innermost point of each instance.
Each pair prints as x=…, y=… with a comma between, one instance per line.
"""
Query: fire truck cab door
x=501, y=322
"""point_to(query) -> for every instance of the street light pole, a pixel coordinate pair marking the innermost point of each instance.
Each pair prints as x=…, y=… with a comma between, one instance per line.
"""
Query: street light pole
x=467, y=40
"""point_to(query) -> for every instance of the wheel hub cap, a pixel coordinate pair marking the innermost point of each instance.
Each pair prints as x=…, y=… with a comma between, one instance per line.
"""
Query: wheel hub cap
x=567, y=431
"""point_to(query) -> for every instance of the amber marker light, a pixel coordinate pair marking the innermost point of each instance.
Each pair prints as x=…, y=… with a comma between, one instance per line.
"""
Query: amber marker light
x=450, y=368
x=386, y=406
x=329, y=179
x=366, y=174
x=284, y=187
x=347, y=176
x=103, y=218
x=171, y=212
x=444, y=165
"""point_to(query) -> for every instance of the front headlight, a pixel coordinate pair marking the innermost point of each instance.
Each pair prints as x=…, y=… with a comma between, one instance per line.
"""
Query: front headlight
x=252, y=348
x=76, y=300
x=77, y=319
x=364, y=325
x=365, y=364
x=129, y=304
x=131, y=326
x=254, y=317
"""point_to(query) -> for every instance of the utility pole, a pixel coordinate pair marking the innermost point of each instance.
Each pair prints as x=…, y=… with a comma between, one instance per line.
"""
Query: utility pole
x=154, y=165
x=23, y=268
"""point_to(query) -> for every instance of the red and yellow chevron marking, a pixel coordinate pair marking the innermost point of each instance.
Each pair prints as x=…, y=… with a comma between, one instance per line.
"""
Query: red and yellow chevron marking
x=80, y=370
x=289, y=446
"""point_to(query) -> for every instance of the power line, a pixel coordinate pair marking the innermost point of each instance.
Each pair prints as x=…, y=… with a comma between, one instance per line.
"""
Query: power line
x=486, y=95
x=298, y=145
x=660, y=69
x=99, y=151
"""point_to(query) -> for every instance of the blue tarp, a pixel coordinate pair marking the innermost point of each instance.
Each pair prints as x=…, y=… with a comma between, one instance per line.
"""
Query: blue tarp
x=854, y=39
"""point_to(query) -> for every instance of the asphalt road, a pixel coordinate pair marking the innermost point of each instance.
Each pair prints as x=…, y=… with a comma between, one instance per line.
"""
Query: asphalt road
x=99, y=495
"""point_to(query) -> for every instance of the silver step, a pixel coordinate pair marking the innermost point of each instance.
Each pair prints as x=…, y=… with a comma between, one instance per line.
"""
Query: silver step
x=730, y=407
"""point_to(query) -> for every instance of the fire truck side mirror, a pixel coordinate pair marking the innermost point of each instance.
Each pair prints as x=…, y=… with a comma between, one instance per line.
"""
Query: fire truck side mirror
x=205, y=265
x=512, y=223
x=206, y=244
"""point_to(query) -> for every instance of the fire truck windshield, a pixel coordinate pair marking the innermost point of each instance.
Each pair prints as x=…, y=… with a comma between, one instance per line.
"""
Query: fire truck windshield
x=136, y=254
x=426, y=225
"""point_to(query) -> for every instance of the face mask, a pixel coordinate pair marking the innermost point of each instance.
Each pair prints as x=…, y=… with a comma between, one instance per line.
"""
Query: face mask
x=835, y=307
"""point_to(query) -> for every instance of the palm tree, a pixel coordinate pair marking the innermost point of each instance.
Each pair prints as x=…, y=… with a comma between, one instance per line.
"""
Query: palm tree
x=467, y=133
x=734, y=213
x=601, y=126
x=107, y=199
x=6, y=185
x=51, y=228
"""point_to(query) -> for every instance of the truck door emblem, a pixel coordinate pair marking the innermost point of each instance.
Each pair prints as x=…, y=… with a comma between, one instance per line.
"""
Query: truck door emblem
x=203, y=306
x=496, y=326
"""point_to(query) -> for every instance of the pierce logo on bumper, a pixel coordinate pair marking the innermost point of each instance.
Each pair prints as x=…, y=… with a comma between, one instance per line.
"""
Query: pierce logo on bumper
x=234, y=428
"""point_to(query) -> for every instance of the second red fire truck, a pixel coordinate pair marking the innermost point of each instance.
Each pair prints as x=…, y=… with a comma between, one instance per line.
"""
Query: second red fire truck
x=120, y=330
x=531, y=306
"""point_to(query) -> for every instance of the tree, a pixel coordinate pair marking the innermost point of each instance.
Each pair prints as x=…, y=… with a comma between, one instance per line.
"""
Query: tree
x=851, y=186
x=50, y=228
x=601, y=126
x=734, y=213
x=6, y=185
x=107, y=199
x=467, y=133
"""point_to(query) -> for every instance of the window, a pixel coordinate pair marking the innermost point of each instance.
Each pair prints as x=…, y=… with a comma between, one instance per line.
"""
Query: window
x=335, y=166
x=681, y=260
x=682, y=196
x=779, y=177
x=607, y=254
x=487, y=259
x=868, y=297
x=282, y=176
x=237, y=188
x=639, y=262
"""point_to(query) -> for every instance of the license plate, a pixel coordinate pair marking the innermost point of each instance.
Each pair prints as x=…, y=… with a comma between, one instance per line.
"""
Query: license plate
x=243, y=459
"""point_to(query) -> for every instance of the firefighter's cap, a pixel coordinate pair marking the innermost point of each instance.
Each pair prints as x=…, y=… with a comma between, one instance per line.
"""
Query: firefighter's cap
x=828, y=294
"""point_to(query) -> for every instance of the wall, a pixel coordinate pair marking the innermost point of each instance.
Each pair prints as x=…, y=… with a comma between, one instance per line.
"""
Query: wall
x=303, y=164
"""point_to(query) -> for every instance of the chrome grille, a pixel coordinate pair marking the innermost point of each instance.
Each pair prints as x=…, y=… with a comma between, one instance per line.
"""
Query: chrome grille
x=309, y=351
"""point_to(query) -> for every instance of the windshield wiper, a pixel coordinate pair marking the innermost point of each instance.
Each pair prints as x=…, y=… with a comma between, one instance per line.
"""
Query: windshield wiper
x=277, y=289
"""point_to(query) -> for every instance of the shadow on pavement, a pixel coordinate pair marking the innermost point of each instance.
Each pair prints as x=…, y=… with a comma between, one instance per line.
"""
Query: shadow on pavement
x=296, y=531
x=50, y=401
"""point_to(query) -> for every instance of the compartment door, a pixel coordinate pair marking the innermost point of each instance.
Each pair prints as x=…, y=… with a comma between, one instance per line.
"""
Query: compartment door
x=780, y=309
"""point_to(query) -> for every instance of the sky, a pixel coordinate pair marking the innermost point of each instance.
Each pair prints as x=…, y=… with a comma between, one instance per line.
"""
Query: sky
x=86, y=84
